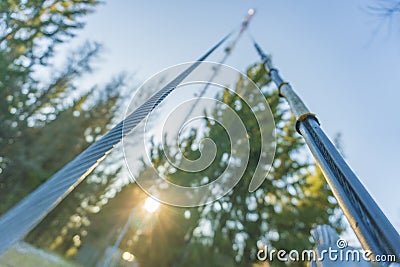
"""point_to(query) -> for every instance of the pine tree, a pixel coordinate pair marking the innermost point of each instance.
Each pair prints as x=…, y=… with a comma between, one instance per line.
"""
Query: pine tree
x=46, y=121
x=228, y=232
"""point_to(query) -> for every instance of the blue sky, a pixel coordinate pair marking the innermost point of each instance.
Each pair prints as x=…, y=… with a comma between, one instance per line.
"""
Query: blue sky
x=330, y=51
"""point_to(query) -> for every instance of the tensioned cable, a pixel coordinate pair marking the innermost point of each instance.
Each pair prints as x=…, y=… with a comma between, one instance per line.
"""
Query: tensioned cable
x=228, y=52
x=25, y=215
x=373, y=229
x=118, y=241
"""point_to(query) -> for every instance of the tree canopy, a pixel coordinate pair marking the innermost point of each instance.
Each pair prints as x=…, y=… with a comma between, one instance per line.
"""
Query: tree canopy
x=228, y=232
x=45, y=120
x=46, y=117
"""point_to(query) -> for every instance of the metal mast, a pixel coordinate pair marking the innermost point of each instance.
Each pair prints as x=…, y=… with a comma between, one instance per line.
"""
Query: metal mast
x=371, y=226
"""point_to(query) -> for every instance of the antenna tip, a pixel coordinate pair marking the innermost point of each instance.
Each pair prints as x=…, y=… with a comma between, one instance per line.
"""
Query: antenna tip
x=251, y=11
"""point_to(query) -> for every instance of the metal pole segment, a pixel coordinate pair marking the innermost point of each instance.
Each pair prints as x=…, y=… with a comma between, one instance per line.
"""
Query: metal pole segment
x=371, y=226
x=297, y=106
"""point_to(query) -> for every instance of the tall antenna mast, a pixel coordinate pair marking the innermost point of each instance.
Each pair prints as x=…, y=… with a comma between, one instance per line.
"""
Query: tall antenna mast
x=373, y=229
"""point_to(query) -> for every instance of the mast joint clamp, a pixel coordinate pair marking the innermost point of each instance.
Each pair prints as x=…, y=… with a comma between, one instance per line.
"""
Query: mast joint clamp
x=303, y=117
x=279, y=88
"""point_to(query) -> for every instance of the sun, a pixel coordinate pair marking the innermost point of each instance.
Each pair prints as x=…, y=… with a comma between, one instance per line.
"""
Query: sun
x=151, y=205
x=127, y=256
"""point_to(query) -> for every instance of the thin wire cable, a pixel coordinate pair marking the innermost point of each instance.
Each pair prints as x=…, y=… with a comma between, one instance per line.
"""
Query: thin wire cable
x=25, y=215
x=228, y=52
x=119, y=239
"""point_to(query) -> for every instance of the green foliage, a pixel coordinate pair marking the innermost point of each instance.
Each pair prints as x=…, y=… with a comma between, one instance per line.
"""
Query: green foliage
x=228, y=232
x=41, y=128
x=47, y=118
x=46, y=121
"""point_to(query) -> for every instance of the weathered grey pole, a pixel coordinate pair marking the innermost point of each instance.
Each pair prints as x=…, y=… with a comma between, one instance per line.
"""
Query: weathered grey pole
x=371, y=226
